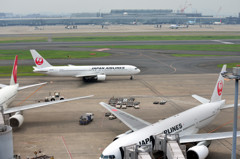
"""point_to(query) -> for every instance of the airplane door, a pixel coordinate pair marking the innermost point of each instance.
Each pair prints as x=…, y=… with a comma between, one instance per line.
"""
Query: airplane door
x=122, y=152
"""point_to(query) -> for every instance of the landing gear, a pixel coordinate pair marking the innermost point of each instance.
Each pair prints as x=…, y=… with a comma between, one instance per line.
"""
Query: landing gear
x=89, y=79
x=85, y=79
x=131, y=78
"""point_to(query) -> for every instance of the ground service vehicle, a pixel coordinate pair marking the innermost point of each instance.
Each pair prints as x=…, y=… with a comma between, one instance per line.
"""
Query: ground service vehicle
x=86, y=118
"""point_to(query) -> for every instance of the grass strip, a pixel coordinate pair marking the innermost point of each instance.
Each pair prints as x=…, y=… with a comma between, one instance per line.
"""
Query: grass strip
x=141, y=38
x=229, y=65
x=51, y=54
x=22, y=39
x=22, y=71
x=202, y=47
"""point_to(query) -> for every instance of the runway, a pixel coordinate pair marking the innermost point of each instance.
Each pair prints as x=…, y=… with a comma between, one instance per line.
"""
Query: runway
x=96, y=43
x=151, y=62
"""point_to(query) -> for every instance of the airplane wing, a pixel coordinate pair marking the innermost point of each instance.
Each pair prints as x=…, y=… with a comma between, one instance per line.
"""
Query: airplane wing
x=37, y=105
x=24, y=87
x=3, y=85
x=86, y=75
x=200, y=99
x=228, y=106
x=206, y=137
x=131, y=121
x=33, y=85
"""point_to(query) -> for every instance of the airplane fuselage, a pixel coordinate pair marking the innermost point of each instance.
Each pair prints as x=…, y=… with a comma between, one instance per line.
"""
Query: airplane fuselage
x=176, y=26
x=191, y=22
x=185, y=123
x=109, y=70
x=217, y=23
x=7, y=95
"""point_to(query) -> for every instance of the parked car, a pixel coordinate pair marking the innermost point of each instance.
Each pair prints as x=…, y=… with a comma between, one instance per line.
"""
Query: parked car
x=124, y=106
x=162, y=102
x=136, y=106
x=156, y=102
x=107, y=114
x=118, y=106
x=111, y=117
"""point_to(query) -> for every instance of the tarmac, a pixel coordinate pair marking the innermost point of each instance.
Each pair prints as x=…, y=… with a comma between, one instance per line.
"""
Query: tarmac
x=93, y=30
x=55, y=130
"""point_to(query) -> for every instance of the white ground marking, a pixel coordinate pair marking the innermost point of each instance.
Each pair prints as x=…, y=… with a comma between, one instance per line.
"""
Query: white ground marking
x=223, y=42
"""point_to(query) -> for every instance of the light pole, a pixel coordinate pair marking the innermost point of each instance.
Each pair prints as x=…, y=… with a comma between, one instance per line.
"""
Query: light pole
x=235, y=75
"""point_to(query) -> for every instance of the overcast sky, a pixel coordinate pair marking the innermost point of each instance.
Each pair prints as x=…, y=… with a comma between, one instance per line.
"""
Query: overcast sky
x=213, y=7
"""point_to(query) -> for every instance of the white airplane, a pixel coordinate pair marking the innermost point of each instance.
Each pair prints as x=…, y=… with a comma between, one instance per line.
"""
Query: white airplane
x=192, y=22
x=176, y=26
x=185, y=124
x=217, y=23
x=9, y=92
x=98, y=72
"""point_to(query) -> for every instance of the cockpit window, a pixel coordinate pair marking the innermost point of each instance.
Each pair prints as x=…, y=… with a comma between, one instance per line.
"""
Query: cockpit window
x=136, y=68
x=107, y=157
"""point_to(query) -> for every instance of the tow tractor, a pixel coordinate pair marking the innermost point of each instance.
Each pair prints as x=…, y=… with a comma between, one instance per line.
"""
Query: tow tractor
x=54, y=97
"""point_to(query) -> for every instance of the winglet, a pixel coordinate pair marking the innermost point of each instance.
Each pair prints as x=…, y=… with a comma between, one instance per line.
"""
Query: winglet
x=14, y=72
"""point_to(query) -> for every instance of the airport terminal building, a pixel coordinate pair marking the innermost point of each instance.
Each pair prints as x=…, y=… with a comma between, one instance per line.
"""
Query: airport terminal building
x=129, y=16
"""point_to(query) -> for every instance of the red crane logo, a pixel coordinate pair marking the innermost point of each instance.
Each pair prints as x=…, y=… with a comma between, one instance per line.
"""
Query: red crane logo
x=39, y=60
x=220, y=87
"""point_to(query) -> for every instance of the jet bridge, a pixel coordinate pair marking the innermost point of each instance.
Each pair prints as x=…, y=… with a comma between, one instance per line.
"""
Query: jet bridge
x=136, y=152
x=6, y=139
x=168, y=144
x=1, y=116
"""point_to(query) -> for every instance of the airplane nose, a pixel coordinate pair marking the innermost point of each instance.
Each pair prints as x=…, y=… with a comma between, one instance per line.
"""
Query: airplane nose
x=138, y=70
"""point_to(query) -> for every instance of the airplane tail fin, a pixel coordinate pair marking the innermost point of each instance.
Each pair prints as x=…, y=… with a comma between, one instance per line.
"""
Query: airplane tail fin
x=14, y=72
x=39, y=61
x=217, y=92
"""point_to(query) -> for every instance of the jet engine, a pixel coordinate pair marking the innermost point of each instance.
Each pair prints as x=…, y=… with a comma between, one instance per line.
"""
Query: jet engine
x=198, y=152
x=101, y=77
x=94, y=78
x=121, y=135
x=16, y=120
